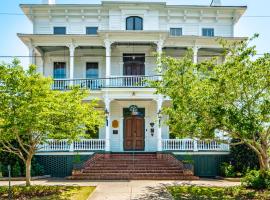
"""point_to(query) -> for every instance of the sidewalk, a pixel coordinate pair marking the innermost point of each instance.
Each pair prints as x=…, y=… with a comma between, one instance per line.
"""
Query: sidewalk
x=128, y=190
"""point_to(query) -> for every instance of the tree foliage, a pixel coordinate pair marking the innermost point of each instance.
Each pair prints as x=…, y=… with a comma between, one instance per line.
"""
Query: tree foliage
x=232, y=97
x=31, y=113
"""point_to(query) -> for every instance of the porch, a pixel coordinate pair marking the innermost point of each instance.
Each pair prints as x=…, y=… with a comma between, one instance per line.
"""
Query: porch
x=93, y=145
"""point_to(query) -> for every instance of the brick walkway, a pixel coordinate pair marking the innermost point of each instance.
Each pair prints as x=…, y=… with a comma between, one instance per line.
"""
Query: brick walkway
x=128, y=190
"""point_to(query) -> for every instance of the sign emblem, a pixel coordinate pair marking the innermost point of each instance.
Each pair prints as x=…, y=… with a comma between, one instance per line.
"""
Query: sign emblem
x=133, y=109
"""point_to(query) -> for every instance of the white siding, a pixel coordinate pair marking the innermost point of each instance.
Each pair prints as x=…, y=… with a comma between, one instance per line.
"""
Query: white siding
x=114, y=18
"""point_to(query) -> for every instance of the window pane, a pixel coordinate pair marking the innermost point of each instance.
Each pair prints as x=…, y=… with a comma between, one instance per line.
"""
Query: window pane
x=91, y=70
x=59, y=30
x=134, y=23
x=91, y=30
x=138, y=23
x=175, y=31
x=130, y=23
x=209, y=32
x=59, y=70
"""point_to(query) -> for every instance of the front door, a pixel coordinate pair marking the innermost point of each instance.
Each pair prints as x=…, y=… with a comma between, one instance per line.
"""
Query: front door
x=134, y=133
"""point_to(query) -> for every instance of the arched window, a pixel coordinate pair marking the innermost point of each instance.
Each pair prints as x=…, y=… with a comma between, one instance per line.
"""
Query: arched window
x=134, y=23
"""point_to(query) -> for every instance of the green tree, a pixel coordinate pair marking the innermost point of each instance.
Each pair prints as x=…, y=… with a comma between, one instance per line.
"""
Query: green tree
x=31, y=113
x=232, y=97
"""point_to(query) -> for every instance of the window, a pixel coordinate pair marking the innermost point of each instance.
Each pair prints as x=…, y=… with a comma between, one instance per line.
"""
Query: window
x=59, y=70
x=134, y=23
x=209, y=32
x=59, y=30
x=175, y=31
x=91, y=70
x=91, y=30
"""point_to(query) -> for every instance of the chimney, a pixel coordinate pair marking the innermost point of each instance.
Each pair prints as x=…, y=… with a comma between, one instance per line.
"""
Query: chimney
x=50, y=2
x=215, y=3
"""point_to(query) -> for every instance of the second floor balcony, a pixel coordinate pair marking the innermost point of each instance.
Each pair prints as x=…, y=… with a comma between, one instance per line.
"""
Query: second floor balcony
x=99, y=83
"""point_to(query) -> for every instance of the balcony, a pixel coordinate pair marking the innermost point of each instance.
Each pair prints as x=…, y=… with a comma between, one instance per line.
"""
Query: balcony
x=99, y=83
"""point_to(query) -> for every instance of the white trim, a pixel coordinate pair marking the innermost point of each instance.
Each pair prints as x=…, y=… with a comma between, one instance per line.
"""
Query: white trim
x=62, y=153
x=202, y=153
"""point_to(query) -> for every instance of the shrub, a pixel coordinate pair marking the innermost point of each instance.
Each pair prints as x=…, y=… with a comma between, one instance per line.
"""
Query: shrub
x=257, y=179
x=16, y=170
x=218, y=193
x=243, y=158
x=227, y=170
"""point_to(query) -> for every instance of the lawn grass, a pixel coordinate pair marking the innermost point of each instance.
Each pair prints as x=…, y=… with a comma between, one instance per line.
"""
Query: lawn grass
x=217, y=193
x=47, y=192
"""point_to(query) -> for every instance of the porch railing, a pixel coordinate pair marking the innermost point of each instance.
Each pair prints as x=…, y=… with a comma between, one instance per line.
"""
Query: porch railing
x=64, y=145
x=193, y=145
x=98, y=83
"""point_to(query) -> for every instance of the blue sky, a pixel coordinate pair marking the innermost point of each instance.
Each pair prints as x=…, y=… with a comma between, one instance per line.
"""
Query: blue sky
x=10, y=45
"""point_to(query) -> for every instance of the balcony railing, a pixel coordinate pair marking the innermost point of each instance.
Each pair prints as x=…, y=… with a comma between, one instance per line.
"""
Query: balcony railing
x=193, y=145
x=65, y=145
x=97, y=84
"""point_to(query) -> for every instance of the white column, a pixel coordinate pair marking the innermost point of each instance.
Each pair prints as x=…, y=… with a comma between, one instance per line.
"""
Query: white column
x=107, y=132
x=159, y=54
x=195, y=54
x=159, y=136
x=31, y=55
x=42, y=70
x=71, y=61
x=107, y=44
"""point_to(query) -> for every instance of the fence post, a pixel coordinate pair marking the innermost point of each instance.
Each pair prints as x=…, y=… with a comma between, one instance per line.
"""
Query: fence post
x=195, y=145
x=71, y=148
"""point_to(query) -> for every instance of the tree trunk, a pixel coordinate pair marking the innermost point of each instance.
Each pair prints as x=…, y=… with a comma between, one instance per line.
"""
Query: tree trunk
x=264, y=162
x=28, y=171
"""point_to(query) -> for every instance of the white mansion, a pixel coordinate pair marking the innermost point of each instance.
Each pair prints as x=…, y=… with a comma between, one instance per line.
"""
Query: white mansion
x=109, y=49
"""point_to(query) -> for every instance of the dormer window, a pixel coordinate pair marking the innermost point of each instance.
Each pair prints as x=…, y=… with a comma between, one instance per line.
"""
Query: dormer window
x=59, y=30
x=134, y=23
x=175, y=31
x=208, y=32
x=91, y=30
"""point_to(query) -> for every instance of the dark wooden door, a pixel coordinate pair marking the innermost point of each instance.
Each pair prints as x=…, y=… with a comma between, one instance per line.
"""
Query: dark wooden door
x=134, y=133
x=134, y=68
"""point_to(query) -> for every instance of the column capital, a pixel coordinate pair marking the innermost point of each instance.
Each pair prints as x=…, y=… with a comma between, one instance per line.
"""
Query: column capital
x=72, y=46
x=159, y=43
x=196, y=49
x=107, y=43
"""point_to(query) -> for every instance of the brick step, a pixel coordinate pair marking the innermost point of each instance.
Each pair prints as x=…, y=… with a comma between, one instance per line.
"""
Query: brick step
x=113, y=177
x=129, y=164
x=138, y=174
x=133, y=164
x=131, y=171
x=132, y=168
x=131, y=160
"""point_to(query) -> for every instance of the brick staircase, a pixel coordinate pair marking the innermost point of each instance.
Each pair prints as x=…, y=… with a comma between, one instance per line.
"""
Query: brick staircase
x=133, y=167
